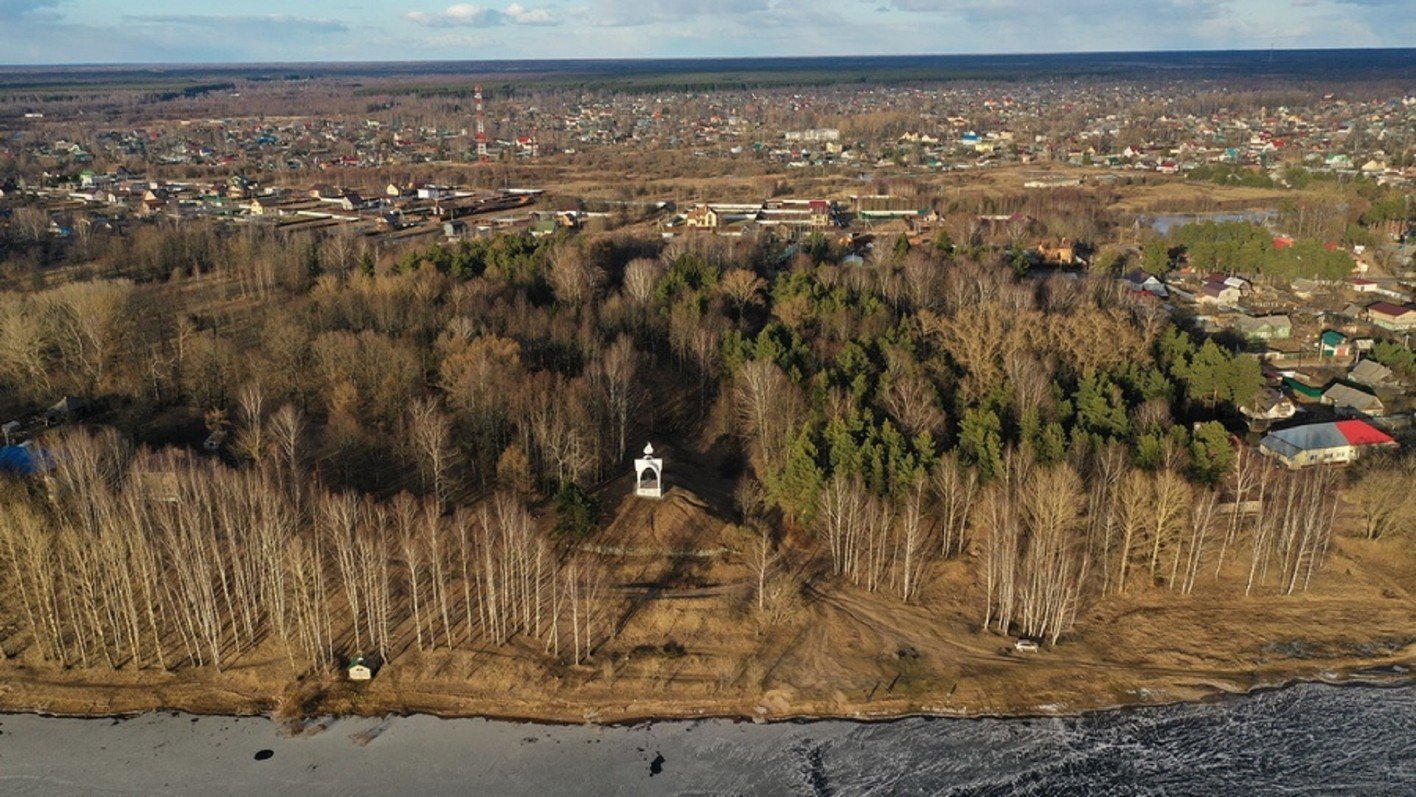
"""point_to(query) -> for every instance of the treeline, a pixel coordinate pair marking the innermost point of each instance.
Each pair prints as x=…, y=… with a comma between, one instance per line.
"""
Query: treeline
x=388, y=417
x=1224, y=174
x=525, y=387
x=926, y=410
x=1245, y=248
x=141, y=559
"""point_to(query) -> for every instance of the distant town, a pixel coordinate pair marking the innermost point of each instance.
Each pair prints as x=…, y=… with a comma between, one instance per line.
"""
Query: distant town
x=70, y=175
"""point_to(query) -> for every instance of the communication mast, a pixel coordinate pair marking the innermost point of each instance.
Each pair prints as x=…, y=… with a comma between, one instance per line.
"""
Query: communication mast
x=481, y=126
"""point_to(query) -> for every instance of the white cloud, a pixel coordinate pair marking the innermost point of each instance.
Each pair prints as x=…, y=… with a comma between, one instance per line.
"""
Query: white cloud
x=58, y=31
x=468, y=15
x=529, y=16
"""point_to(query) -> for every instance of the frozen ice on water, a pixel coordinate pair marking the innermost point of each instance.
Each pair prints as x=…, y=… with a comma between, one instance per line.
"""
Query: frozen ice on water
x=1310, y=739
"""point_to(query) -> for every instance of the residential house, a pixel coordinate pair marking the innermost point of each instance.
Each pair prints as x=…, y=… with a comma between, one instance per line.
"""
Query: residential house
x=264, y=205
x=155, y=201
x=1372, y=374
x=347, y=200
x=1348, y=400
x=1305, y=288
x=1060, y=252
x=272, y=205
x=1335, y=345
x=238, y=187
x=1324, y=443
x=1141, y=282
x=1269, y=327
x=1233, y=282
x=703, y=217
x=1218, y=293
x=1269, y=405
x=1391, y=317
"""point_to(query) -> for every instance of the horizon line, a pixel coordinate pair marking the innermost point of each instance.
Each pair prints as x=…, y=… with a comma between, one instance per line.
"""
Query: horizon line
x=687, y=59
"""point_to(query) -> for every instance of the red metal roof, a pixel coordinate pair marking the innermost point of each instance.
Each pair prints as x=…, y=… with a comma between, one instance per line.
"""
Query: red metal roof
x=1361, y=433
x=1387, y=308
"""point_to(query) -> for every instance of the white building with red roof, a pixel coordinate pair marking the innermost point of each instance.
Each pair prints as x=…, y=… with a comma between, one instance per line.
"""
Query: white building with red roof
x=1392, y=316
x=1335, y=443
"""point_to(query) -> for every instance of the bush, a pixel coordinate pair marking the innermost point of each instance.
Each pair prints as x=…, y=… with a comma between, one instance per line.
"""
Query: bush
x=577, y=512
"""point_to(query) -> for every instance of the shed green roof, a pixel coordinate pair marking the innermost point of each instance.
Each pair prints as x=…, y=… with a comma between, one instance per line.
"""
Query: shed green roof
x=1302, y=389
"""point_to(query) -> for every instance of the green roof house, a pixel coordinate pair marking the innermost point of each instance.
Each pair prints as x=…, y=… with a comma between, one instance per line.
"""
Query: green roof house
x=1335, y=344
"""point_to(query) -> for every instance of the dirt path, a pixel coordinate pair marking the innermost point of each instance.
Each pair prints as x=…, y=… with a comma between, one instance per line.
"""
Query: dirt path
x=902, y=624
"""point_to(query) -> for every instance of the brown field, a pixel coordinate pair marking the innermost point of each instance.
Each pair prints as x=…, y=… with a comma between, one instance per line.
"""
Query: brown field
x=675, y=180
x=1182, y=195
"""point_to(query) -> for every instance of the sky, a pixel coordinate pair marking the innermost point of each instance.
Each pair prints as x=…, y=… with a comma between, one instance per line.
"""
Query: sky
x=170, y=31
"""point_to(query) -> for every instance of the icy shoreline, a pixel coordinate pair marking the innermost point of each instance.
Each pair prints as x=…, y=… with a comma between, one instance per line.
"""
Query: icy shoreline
x=1303, y=732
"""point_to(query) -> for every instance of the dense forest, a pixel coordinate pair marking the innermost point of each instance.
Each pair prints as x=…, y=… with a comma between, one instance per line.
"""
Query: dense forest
x=416, y=441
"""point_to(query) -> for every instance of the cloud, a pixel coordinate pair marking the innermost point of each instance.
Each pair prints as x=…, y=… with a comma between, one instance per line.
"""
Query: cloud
x=93, y=31
x=468, y=15
x=274, y=22
x=15, y=9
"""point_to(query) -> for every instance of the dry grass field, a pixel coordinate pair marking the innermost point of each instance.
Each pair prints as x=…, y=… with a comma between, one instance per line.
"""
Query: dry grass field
x=690, y=641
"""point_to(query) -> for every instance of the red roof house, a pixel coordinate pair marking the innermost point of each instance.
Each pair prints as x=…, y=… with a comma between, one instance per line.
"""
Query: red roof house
x=1391, y=316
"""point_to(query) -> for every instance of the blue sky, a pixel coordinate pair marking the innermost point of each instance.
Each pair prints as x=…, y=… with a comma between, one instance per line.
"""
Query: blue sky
x=148, y=31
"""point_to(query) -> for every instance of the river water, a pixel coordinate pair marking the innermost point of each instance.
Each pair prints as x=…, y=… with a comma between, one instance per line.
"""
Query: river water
x=1309, y=739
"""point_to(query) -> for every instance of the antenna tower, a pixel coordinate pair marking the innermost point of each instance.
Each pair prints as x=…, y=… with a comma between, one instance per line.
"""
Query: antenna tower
x=481, y=126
